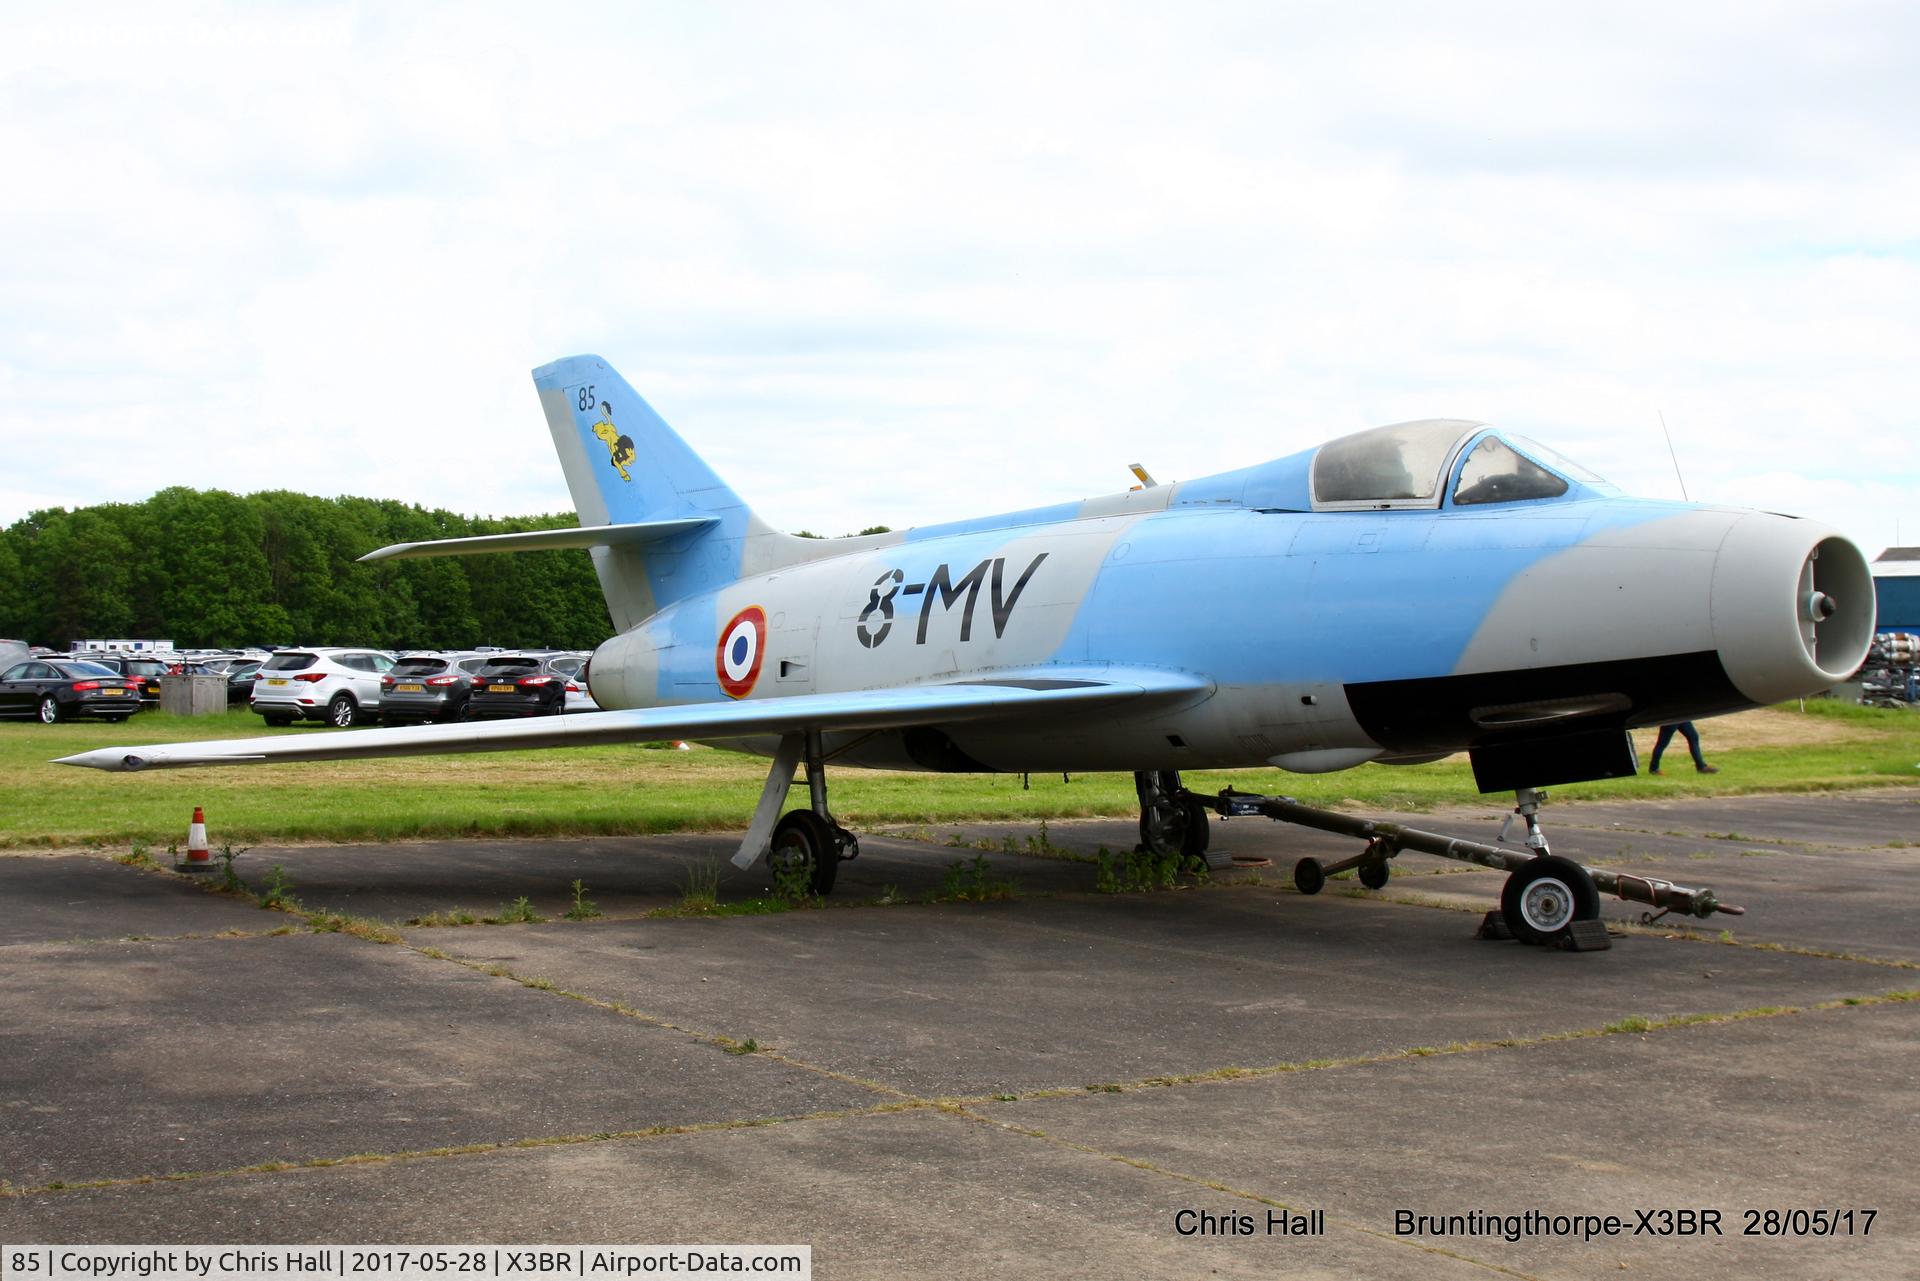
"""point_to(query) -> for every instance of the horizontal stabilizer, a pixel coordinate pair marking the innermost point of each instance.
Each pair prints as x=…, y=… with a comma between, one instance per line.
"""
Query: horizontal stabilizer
x=546, y=540
x=1037, y=696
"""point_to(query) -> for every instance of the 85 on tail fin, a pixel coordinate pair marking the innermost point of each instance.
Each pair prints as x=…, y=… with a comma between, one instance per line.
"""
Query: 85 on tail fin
x=625, y=466
x=622, y=462
x=661, y=525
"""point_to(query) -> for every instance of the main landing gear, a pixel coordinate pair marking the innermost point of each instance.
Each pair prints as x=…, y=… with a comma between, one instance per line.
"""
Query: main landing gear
x=1172, y=820
x=805, y=842
x=1547, y=899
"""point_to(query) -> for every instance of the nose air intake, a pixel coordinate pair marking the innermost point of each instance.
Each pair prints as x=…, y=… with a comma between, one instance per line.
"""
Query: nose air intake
x=1835, y=635
x=1793, y=607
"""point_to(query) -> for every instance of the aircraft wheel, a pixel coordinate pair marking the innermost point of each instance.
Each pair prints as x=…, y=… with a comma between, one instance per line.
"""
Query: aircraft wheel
x=802, y=839
x=49, y=710
x=1374, y=875
x=1174, y=825
x=1542, y=900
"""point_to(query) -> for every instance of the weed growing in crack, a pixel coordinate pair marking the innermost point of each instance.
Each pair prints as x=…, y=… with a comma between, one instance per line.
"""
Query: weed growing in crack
x=1140, y=870
x=584, y=908
x=973, y=882
x=793, y=881
x=518, y=912
x=278, y=891
x=702, y=893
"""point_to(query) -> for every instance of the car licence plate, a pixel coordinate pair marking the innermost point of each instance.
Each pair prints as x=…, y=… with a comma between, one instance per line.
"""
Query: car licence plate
x=411, y=689
x=274, y=680
x=112, y=692
x=502, y=689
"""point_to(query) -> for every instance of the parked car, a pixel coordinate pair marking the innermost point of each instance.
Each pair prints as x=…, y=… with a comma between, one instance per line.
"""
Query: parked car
x=52, y=691
x=574, y=668
x=145, y=671
x=518, y=685
x=330, y=683
x=427, y=687
x=241, y=673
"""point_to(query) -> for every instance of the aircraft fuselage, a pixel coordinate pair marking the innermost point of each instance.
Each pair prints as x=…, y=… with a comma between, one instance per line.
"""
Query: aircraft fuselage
x=1328, y=638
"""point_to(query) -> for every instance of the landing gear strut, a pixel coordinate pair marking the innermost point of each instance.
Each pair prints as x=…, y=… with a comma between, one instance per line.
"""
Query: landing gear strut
x=811, y=835
x=807, y=840
x=1172, y=820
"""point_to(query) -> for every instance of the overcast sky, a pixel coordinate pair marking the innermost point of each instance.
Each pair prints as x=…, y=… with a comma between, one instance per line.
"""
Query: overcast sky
x=898, y=264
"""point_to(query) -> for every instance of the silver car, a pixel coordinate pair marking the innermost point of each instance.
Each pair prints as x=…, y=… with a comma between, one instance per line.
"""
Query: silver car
x=336, y=684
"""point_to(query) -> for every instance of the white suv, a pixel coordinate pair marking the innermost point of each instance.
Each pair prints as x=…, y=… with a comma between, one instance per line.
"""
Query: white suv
x=334, y=684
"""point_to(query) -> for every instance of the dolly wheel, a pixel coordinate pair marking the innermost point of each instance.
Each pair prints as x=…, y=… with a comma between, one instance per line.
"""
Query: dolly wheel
x=1308, y=876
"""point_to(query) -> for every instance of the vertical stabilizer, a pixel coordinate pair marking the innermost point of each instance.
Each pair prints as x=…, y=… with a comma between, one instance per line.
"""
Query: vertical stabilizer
x=624, y=464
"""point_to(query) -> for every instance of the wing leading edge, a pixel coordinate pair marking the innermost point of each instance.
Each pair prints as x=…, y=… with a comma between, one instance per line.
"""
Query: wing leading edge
x=541, y=540
x=1007, y=696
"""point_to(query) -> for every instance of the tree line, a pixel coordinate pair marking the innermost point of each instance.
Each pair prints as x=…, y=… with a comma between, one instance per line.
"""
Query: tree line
x=211, y=569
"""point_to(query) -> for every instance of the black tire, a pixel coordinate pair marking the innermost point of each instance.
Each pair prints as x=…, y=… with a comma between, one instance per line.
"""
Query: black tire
x=278, y=722
x=803, y=837
x=1542, y=900
x=342, y=712
x=49, y=710
x=1308, y=876
x=1175, y=825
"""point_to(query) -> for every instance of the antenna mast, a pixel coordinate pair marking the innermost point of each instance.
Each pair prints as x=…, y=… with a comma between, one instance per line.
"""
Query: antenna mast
x=1676, y=458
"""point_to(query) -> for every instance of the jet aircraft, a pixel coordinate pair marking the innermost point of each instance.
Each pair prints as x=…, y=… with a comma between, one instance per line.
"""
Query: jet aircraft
x=1395, y=595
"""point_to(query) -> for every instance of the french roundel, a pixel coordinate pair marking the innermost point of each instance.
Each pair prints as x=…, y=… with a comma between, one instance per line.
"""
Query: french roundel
x=743, y=643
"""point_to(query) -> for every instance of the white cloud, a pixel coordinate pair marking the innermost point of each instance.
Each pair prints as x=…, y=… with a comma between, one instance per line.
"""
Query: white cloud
x=886, y=264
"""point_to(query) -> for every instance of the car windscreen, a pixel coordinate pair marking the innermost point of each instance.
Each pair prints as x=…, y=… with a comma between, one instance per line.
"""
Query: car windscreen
x=288, y=662
x=83, y=669
x=511, y=667
x=419, y=666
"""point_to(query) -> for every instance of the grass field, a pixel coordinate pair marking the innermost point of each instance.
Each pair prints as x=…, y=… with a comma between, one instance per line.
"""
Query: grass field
x=601, y=790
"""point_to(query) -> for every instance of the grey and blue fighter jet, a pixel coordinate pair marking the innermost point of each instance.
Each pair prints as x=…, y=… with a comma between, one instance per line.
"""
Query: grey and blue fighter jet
x=1394, y=595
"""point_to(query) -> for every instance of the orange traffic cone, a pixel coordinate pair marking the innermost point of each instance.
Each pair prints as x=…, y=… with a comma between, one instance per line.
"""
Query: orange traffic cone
x=198, y=858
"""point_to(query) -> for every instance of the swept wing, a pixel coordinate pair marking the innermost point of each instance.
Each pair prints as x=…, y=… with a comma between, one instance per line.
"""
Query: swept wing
x=1014, y=696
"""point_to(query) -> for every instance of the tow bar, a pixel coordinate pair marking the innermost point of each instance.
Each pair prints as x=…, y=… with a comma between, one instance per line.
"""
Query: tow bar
x=1548, y=899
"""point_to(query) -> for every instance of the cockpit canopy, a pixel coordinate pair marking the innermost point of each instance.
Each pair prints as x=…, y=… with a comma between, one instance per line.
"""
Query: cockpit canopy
x=1408, y=464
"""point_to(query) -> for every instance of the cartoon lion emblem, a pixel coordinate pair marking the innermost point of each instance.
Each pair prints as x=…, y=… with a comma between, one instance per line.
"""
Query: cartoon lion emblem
x=619, y=446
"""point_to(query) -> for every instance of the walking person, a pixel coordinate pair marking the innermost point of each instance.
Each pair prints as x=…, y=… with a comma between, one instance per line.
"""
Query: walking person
x=1688, y=732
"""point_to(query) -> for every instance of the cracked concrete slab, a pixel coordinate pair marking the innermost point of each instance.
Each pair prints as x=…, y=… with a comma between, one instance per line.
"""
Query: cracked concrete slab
x=151, y=1058
x=59, y=897
x=134, y=1059
x=1008, y=997
x=623, y=876
x=906, y=1196
x=1805, y=1111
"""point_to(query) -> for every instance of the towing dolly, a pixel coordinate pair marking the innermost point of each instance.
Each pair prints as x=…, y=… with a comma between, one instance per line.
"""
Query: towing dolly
x=1547, y=899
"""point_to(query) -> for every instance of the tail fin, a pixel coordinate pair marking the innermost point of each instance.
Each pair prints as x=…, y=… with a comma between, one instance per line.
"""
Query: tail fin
x=624, y=465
